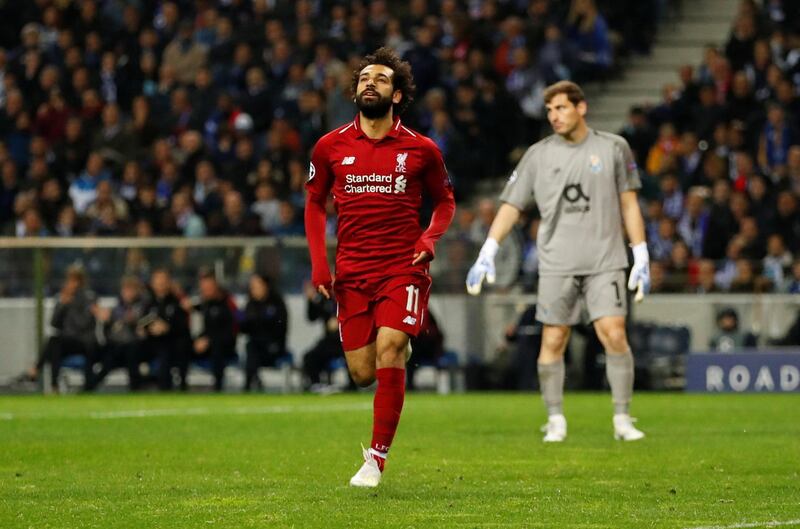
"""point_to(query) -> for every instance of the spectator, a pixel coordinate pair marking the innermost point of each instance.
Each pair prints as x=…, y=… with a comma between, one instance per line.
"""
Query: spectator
x=188, y=222
x=776, y=138
x=661, y=242
x=166, y=329
x=235, y=219
x=728, y=337
x=689, y=160
x=739, y=48
x=754, y=247
x=289, y=223
x=105, y=198
x=329, y=347
x=672, y=196
x=693, y=224
x=184, y=55
x=744, y=278
x=124, y=333
x=83, y=190
x=51, y=200
x=706, y=283
x=678, y=267
x=526, y=83
x=267, y=206
x=589, y=32
x=74, y=319
x=265, y=322
x=256, y=100
x=777, y=261
x=217, y=340
x=659, y=158
x=787, y=220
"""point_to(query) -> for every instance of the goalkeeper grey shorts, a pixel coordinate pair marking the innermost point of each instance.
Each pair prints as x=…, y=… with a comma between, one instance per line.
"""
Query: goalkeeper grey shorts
x=567, y=300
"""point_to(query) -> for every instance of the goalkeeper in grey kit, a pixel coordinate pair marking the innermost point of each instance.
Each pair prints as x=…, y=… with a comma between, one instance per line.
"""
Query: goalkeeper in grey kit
x=584, y=184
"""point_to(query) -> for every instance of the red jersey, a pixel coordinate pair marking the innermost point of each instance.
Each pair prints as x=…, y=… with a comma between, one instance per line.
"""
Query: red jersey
x=377, y=187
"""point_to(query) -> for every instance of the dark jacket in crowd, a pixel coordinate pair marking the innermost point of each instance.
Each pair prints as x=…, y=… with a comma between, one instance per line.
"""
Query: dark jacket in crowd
x=75, y=319
x=219, y=320
x=169, y=309
x=266, y=322
x=125, y=319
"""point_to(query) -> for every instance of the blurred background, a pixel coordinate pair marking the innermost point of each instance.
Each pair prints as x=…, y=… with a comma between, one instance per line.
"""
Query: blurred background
x=146, y=142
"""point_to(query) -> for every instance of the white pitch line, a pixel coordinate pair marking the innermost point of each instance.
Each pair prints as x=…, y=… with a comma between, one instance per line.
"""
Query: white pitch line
x=266, y=410
x=178, y=412
x=752, y=525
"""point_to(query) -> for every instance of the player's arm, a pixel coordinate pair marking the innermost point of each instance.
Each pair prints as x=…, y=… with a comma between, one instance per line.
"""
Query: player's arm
x=505, y=220
x=444, y=207
x=633, y=221
x=517, y=195
x=318, y=186
x=632, y=217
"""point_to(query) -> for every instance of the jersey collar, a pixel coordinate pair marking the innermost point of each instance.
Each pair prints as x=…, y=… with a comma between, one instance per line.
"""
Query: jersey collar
x=394, y=132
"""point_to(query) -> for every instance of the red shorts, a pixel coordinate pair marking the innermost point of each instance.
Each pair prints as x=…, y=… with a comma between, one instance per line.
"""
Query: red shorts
x=398, y=302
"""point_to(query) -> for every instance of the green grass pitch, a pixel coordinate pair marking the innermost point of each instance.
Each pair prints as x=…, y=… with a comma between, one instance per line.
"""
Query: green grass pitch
x=466, y=461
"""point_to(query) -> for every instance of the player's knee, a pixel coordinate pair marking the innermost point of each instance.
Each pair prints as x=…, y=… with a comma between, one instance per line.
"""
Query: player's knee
x=616, y=339
x=363, y=376
x=392, y=353
x=554, y=342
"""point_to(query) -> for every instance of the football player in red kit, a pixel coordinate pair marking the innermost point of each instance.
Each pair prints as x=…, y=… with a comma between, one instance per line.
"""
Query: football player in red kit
x=377, y=170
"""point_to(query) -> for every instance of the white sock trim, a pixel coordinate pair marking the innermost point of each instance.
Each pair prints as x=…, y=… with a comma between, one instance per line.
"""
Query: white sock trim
x=374, y=452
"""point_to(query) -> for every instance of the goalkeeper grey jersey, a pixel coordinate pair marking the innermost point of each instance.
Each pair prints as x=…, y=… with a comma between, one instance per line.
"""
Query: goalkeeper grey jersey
x=576, y=188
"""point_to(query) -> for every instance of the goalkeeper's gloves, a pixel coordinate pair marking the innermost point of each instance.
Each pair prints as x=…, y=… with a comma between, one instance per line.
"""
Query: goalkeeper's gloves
x=483, y=267
x=639, y=279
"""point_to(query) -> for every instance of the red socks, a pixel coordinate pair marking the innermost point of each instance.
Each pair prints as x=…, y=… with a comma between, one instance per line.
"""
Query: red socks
x=386, y=410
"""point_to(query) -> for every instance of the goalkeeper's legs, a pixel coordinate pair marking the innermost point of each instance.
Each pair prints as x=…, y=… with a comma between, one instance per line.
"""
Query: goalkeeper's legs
x=619, y=370
x=551, y=379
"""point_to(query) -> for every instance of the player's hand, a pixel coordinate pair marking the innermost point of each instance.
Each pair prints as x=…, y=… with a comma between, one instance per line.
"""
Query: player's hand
x=421, y=257
x=324, y=290
x=639, y=280
x=483, y=268
x=322, y=281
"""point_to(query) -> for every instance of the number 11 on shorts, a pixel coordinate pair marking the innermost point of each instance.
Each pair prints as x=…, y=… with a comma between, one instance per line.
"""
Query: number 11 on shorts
x=412, y=304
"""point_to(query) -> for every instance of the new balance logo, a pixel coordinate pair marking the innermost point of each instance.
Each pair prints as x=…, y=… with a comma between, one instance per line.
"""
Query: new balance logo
x=410, y=320
x=348, y=160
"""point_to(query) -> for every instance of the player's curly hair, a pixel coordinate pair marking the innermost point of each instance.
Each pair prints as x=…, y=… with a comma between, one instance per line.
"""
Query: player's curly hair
x=402, y=79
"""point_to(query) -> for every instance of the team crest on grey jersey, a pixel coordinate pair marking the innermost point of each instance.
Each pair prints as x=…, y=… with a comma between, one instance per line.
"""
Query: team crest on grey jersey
x=595, y=164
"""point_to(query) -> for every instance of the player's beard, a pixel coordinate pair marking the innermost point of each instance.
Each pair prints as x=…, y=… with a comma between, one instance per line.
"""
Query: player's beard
x=376, y=108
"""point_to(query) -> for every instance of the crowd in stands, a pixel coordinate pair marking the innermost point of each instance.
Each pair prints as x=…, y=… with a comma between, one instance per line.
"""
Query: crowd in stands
x=720, y=155
x=196, y=118
x=193, y=119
